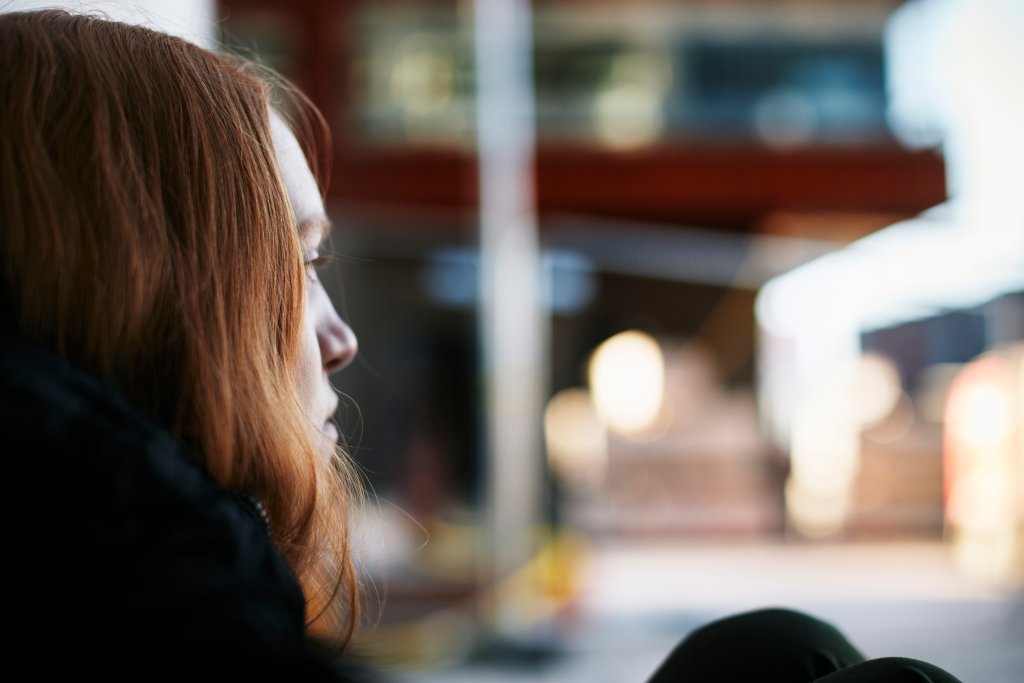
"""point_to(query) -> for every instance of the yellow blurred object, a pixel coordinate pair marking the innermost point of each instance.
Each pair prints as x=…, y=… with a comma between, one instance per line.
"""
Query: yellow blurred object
x=546, y=587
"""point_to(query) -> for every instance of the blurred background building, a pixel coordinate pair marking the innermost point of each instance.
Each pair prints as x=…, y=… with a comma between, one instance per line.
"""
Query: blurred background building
x=697, y=389
x=780, y=279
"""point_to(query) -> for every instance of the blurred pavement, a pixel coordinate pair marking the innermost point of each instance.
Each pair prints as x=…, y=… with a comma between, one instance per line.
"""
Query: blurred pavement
x=640, y=599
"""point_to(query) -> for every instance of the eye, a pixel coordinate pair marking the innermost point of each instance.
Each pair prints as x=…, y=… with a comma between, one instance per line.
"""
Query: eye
x=316, y=261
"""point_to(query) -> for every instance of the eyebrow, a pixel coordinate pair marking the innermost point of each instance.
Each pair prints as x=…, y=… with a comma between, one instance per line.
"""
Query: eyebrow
x=318, y=226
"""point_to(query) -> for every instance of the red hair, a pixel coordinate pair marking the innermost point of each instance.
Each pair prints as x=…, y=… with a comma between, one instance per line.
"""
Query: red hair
x=147, y=237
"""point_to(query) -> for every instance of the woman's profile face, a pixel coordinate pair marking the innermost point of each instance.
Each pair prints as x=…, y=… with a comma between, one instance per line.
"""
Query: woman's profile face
x=328, y=343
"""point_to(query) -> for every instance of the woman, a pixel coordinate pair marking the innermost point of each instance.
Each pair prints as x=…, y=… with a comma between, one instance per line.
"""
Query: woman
x=176, y=499
x=176, y=502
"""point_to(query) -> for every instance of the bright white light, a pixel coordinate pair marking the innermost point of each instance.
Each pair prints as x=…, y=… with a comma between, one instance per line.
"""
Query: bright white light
x=825, y=440
x=981, y=415
x=576, y=438
x=824, y=452
x=627, y=378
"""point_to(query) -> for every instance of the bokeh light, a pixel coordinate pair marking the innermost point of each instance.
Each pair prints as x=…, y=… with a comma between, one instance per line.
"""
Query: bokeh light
x=423, y=76
x=825, y=449
x=985, y=503
x=627, y=378
x=630, y=110
x=577, y=442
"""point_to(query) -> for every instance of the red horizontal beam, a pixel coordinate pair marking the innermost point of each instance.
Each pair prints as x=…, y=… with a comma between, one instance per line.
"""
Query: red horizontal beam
x=716, y=186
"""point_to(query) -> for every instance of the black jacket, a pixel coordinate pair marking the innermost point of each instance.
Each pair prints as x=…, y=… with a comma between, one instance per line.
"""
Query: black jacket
x=125, y=560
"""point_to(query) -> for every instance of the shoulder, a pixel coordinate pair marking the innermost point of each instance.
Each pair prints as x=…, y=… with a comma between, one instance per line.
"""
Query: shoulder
x=102, y=476
x=128, y=551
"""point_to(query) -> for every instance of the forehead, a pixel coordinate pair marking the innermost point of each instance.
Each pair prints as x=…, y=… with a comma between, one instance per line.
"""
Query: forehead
x=303, y=192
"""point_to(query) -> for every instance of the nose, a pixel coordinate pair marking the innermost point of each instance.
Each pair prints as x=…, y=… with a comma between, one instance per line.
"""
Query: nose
x=338, y=343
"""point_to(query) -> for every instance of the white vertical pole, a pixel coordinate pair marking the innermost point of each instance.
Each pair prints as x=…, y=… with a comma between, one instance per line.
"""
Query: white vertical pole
x=512, y=326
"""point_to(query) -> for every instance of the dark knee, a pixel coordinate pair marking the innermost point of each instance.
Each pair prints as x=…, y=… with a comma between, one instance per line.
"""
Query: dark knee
x=766, y=644
x=904, y=670
x=773, y=621
x=777, y=632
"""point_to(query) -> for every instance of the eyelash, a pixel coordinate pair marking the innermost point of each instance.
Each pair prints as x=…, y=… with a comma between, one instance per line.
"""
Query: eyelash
x=319, y=261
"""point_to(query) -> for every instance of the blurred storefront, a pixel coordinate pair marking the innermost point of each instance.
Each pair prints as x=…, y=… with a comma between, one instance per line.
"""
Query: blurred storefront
x=688, y=153
x=672, y=179
x=889, y=369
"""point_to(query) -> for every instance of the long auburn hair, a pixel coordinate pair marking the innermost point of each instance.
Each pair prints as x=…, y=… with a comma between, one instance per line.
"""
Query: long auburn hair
x=147, y=237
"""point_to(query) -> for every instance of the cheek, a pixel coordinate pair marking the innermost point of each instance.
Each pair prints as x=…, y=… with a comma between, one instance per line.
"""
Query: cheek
x=310, y=366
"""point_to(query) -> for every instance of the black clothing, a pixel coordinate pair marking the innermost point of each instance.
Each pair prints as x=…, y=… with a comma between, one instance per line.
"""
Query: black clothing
x=782, y=646
x=126, y=560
